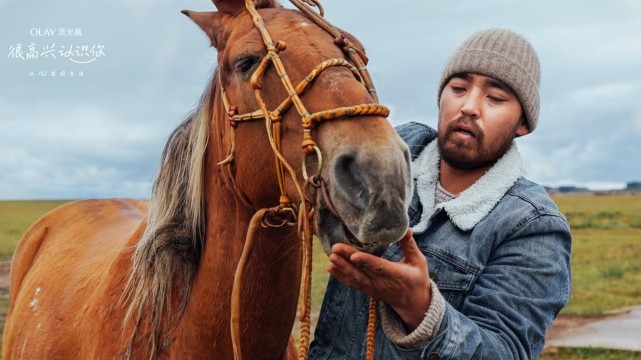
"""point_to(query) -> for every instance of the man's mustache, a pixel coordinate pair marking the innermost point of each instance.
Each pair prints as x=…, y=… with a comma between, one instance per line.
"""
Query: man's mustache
x=467, y=123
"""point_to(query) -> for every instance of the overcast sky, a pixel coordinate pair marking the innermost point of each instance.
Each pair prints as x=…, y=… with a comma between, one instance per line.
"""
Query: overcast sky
x=100, y=132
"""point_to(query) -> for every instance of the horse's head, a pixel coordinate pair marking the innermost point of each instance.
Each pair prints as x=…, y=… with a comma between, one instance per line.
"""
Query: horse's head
x=365, y=163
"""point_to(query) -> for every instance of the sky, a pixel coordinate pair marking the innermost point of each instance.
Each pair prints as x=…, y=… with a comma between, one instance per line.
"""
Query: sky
x=134, y=69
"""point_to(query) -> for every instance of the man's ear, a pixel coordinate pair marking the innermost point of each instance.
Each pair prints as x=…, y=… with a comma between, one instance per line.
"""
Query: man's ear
x=523, y=128
x=213, y=23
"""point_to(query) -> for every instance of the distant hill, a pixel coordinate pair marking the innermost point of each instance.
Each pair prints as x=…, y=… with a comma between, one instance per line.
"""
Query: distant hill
x=633, y=187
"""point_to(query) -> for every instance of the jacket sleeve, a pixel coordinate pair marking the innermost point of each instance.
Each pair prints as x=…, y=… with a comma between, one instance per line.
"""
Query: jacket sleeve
x=513, y=302
x=396, y=331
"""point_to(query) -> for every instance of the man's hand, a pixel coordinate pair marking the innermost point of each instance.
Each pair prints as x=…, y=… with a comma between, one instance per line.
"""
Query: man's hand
x=404, y=285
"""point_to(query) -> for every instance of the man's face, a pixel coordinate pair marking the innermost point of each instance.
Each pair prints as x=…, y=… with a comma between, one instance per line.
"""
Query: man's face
x=478, y=120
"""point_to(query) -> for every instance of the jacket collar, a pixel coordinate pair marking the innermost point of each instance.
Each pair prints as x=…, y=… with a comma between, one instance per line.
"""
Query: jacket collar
x=473, y=204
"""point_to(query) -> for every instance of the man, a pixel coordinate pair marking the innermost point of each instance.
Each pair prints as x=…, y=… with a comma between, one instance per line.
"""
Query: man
x=486, y=266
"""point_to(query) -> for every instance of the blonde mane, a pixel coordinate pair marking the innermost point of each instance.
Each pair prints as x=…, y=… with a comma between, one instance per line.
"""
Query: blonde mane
x=167, y=256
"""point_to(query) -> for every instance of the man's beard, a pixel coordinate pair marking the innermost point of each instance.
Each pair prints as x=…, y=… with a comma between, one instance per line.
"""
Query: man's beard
x=471, y=154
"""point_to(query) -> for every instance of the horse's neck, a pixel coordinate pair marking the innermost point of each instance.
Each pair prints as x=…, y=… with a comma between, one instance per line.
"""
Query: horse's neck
x=270, y=283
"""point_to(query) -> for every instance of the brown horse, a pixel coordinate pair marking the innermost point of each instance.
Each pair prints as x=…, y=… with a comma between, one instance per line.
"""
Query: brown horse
x=105, y=279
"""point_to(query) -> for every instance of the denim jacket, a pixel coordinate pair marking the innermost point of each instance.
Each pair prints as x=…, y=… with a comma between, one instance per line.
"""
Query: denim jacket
x=499, y=254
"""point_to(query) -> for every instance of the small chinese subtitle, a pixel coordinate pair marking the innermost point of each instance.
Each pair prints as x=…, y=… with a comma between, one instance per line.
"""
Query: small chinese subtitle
x=65, y=46
x=54, y=73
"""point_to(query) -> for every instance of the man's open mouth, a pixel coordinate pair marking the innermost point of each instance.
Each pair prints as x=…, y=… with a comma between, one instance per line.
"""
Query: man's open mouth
x=464, y=130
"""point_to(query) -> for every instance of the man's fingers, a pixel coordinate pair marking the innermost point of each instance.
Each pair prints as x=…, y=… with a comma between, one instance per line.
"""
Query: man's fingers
x=348, y=274
x=410, y=249
x=371, y=265
x=343, y=250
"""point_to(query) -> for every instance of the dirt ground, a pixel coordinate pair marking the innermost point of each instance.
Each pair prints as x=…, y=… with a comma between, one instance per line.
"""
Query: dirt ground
x=4, y=287
x=562, y=326
x=565, y=325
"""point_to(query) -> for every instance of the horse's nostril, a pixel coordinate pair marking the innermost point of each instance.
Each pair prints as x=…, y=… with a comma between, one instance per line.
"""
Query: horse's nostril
x=348, y=178
x=344, y=164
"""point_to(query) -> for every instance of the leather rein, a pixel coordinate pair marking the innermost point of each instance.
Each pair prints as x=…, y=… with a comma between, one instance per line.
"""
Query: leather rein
x=286, y=213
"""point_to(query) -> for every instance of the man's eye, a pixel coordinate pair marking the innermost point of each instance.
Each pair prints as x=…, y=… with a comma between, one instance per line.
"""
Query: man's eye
x=495, y=100
x=245, y=64
x=457, y=89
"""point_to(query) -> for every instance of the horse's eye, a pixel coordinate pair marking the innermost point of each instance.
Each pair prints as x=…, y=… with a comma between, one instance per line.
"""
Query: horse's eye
x=243, y=65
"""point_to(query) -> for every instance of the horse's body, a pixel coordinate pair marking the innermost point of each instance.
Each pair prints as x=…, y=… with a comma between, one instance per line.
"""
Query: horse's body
x=67, y=275
x=105, y=279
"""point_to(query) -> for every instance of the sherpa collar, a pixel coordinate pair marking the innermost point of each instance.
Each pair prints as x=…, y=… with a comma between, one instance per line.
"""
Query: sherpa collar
x=473, y=204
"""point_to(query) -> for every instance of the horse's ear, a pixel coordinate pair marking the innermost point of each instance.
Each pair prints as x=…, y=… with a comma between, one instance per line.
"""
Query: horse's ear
x=213, y=23
x=232, y=7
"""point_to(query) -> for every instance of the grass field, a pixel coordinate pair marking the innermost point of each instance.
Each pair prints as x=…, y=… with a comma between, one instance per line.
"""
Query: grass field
x=605, y=261
x=16, y=217
x=588, y=353
x=606, y=249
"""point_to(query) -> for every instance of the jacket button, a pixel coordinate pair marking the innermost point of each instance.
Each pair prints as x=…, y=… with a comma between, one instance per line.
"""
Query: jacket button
x=432, y=356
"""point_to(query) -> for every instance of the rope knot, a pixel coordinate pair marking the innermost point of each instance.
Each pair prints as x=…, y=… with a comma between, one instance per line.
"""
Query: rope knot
x=279, y=216
x=308, y=143
x=308, y=123
x=275, y=116
x=284, y=200
x=230, y=116
x=280, y=45
x=341, y=40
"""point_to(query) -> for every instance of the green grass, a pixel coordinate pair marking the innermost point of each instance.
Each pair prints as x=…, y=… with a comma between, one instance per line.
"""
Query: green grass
x=588, y=353
x=319, y=274
x=606, y=247
x=15, y=219
x=606, y=271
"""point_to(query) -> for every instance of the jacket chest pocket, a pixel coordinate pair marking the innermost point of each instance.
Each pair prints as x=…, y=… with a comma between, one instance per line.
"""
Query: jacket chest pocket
x=453, y=279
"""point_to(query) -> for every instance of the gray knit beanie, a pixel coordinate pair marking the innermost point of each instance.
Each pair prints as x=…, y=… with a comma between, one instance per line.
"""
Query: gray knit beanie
x=505, y=56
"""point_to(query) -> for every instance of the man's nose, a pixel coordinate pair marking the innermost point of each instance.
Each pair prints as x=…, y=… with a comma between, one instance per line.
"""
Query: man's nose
x=472, y=104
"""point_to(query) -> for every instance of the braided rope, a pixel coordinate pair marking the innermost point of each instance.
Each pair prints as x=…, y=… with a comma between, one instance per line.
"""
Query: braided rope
x=371, y=330
x=300, y=88
x=356, y=110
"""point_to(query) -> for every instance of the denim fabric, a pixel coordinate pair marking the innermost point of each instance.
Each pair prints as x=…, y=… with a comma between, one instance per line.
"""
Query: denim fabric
x=504, y=281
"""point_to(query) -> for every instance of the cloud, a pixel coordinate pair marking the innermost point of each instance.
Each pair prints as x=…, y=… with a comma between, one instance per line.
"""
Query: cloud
x=578, y=103
x=587, y=136
x=636, y=116
x=102, y=135
x=635, y=6
x=63, y=149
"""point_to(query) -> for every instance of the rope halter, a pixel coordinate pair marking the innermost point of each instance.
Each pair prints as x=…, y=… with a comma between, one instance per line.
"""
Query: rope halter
x=287, y=213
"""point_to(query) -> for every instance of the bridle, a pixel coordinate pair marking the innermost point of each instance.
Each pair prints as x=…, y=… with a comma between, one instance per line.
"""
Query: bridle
x=286, y=213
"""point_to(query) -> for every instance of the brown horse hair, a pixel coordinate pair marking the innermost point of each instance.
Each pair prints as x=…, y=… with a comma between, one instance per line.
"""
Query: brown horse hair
x=169, y=252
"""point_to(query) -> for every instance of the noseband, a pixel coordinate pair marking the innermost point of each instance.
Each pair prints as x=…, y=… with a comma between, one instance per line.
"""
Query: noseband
x=287, y=213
